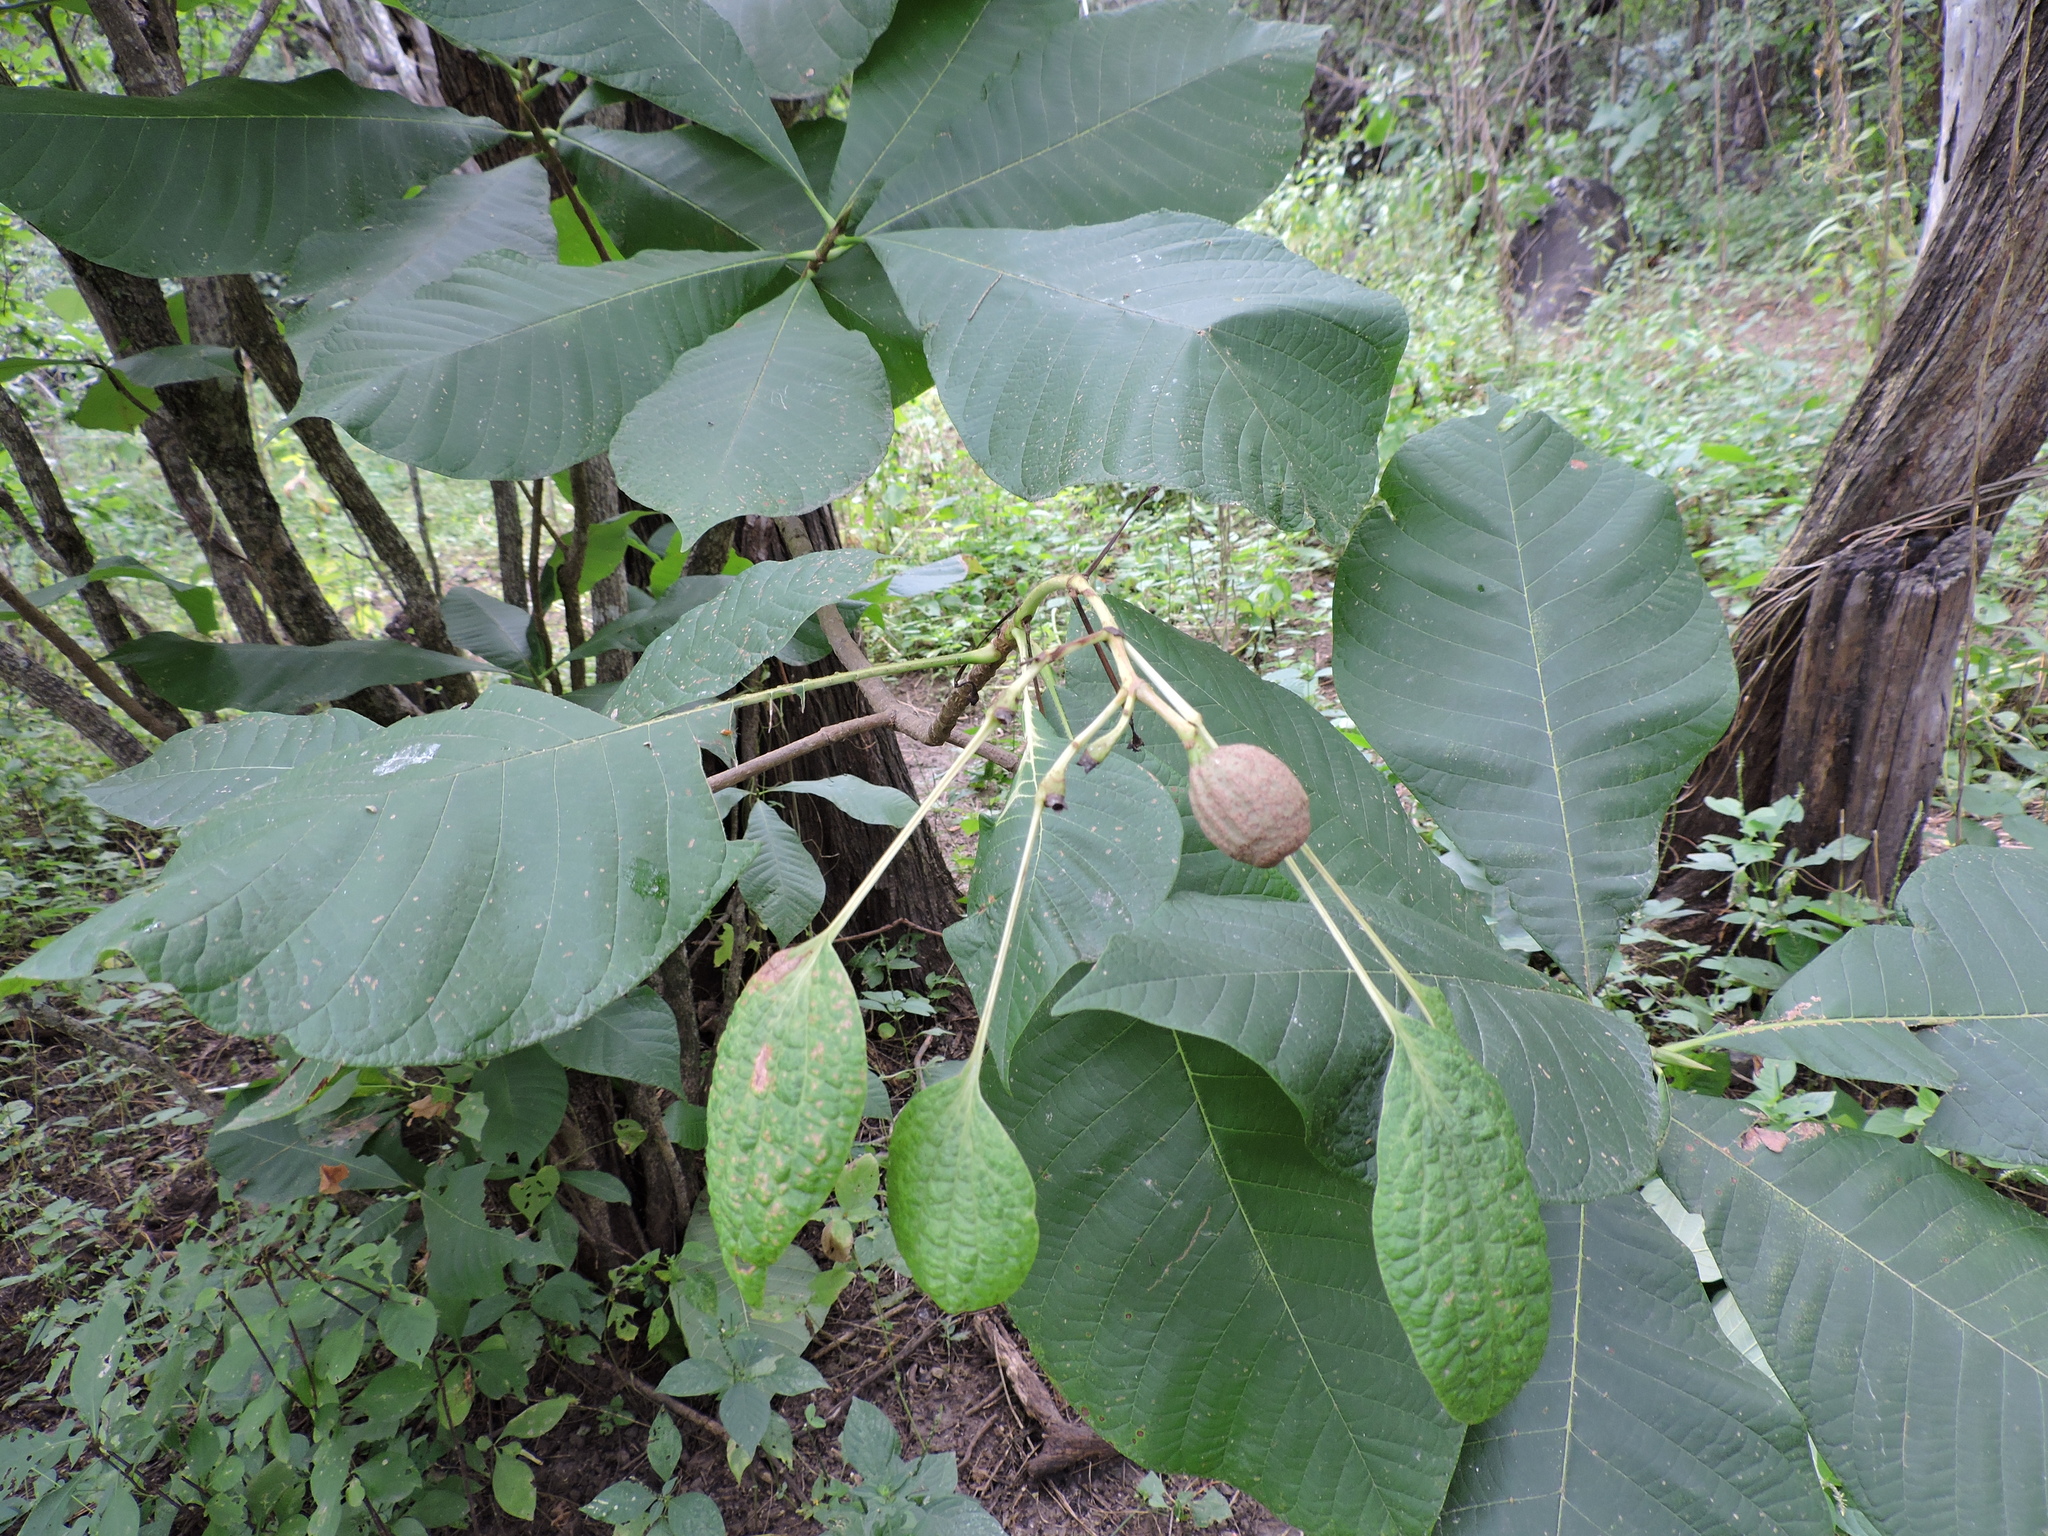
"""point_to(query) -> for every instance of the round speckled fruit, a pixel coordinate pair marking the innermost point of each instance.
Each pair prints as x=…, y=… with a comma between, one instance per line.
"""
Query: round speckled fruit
x=1249, y=804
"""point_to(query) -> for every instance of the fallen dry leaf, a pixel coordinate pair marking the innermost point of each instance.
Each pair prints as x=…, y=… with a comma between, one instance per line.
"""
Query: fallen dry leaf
x=332, y=1177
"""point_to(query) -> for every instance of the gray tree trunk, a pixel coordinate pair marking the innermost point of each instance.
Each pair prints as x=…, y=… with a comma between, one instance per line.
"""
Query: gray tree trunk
x=1973, y=38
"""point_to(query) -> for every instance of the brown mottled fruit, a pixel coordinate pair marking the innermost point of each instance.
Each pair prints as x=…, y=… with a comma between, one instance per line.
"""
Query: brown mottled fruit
x=1249, y=804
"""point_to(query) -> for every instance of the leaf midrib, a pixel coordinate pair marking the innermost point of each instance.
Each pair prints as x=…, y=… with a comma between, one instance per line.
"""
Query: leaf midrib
x=662, y=188
x=1273, y=1278
x=1708, y=1140
x=1010, y=165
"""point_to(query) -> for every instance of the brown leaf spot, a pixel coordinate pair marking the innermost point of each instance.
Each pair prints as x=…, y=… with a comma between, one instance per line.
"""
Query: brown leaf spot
x=761, y=1079
x=427, y=1107
x=1763, y=1136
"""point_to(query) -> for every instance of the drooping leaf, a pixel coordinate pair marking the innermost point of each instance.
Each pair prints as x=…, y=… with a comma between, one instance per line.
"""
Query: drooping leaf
x=1895, y=1298
x=679, y=54
x=638, y=629
x=1957, y=1001
x=1360, y=830
x=1455, y=1221
x=367, y=905
x=405, y=245
x=1264, y=978
x=196, y=600
x=114, y=403
x=1206, y=1291
x=782, y=882
x=1185, y=104
x=688, y=189
x=1528, y=643
x=528, y=1093
x=1102, y=865
x=960, y=1198
x=923, y=72
x=490, y=627
x=717, y=643
x=273, y=1161
x=857, y=294
x=1642, y=1417
x=805, y=47
x=198, y=770
x=783, y=412
x=785, y=1103
x=509, y=368
x=228, y=175
x=876, y=804
x=182, y=364
x=197, y=674
x=635, y=1038
x=1168, y=349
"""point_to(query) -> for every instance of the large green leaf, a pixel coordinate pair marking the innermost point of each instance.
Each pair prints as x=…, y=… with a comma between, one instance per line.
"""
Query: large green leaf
x=197, y=674
x=458, y=886
x=679, y=54
x=1898, y=1300
x=1186, y=104
x=1461, y=1246
x=408, y=244
x=197, y=771
x=715, y=644
x=1642, y=1417
x=1102, y=864
x=1360, y=829
x=635, y=1038
x=687, y=190
x=1265, y=978
x=925, y=70
x=783, y=412
x=1168, y=349
x=1528, y=643
x=227, y=175
x=1971, y=972
x=782, y=882
x=510, y=368
x=1206, y=1292
x=805, y=47
x=960, y=1198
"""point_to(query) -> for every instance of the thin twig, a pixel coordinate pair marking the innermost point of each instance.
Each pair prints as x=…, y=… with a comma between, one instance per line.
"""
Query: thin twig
x=245, y=45
x=888, y=1363
x=75, y=653
x=675, y=1406
x=184, y=1086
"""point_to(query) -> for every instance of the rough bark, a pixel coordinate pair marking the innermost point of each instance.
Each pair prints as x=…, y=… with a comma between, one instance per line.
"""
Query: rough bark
x=511, y=543
x=1973, y=38
x=43, y=687
x=1956, y=404
x=919, y=890
x=230, y=311
x=229, y=566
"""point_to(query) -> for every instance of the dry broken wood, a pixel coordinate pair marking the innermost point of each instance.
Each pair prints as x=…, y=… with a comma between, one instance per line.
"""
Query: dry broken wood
x=1065, y=1444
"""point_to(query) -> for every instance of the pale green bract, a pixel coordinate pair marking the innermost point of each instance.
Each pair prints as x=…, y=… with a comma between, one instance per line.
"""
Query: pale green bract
x=960, y=1198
